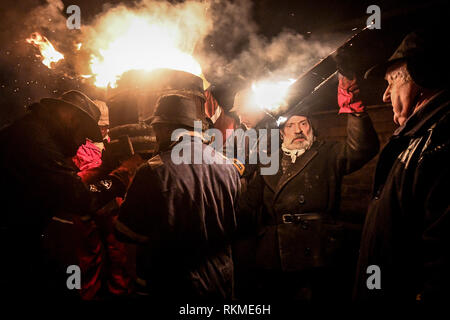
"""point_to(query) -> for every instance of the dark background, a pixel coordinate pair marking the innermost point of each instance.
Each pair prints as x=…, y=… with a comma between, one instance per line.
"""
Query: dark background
x=23, y=79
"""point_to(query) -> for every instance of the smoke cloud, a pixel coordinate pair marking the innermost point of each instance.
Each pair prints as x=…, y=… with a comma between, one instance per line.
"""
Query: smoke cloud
x=23, y=78
x=222, y=36
x=235, y=49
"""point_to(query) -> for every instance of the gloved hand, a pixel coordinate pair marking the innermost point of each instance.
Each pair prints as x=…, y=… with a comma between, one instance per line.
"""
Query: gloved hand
x=125, y=172
x=348, y=96
x=345, y=62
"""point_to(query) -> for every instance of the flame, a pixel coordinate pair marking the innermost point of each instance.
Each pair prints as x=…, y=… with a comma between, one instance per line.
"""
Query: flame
x=48, y=52
x=139, y=41
x=270, y=95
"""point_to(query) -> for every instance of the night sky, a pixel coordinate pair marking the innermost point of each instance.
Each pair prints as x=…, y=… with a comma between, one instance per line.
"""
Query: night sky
x=23, y=79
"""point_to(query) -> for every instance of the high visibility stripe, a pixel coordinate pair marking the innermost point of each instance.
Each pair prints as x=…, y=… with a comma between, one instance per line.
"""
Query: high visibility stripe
x=216, y=114
x=62, y=220
x=239, y=166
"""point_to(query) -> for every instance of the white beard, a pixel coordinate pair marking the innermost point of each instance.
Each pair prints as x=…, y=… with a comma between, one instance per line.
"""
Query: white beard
x=303, y=146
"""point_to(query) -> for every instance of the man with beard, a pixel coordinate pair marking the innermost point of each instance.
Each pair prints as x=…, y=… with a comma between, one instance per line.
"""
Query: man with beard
x=297, y=239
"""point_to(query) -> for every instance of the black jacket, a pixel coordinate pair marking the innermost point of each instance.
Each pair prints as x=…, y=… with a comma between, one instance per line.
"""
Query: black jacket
x=183, y=215
x=310, y=187
x=407, y=227
x=38, y=183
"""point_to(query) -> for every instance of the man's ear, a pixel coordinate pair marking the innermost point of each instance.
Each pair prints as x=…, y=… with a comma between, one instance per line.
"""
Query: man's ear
x=282, y=134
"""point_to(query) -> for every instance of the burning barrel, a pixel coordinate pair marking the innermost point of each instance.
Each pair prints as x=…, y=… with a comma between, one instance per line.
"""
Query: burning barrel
x=132, y=104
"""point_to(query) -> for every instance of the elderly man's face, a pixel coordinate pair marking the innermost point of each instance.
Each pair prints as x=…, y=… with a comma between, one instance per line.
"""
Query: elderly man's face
x=297, y=133
x=401, y=92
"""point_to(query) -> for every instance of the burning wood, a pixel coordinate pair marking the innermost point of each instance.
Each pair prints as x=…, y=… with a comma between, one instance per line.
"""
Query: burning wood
x=135, y=41
x=48, y=52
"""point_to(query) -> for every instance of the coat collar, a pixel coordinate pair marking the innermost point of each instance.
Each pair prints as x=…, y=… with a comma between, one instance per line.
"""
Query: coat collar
x=279, y=181
x=415, y=126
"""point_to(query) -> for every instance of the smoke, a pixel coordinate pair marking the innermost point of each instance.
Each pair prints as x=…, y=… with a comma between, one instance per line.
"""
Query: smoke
x=32, y=15
x=221, y=34
x=23, y=79
x=46, y=17
x=235, y=50
x=148, y=35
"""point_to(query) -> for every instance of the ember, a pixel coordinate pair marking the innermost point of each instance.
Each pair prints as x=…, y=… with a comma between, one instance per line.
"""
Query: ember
x=48, y=52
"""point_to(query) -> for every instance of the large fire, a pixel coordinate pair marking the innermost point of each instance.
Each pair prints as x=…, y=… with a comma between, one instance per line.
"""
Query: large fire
x=126, y=40
x=270, y=95
x=48, y=53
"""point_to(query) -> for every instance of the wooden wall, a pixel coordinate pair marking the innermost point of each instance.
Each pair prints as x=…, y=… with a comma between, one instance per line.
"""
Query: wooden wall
x=357, y=186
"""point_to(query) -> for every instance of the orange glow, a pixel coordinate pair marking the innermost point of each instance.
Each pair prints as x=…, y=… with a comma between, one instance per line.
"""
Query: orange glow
x=47, y=51
x=270, y=95
x=141, y=40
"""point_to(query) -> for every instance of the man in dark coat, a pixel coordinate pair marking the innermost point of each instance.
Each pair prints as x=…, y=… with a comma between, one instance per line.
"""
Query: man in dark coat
x=296, y=209
x=181, y=211
x=404, y=254
x=41, y=187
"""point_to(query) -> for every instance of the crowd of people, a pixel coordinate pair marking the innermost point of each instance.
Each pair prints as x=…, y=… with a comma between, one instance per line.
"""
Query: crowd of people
x=151, y=227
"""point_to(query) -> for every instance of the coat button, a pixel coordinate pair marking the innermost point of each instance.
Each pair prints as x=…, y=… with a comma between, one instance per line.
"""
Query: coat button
x=301, y=199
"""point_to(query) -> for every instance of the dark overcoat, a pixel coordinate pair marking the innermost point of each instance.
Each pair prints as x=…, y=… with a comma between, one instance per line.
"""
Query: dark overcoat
x=407, y=228
x=183, y=217
x=296, y=211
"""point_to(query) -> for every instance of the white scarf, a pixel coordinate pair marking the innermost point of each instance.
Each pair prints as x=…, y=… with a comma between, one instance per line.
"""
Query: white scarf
x=293, y=153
